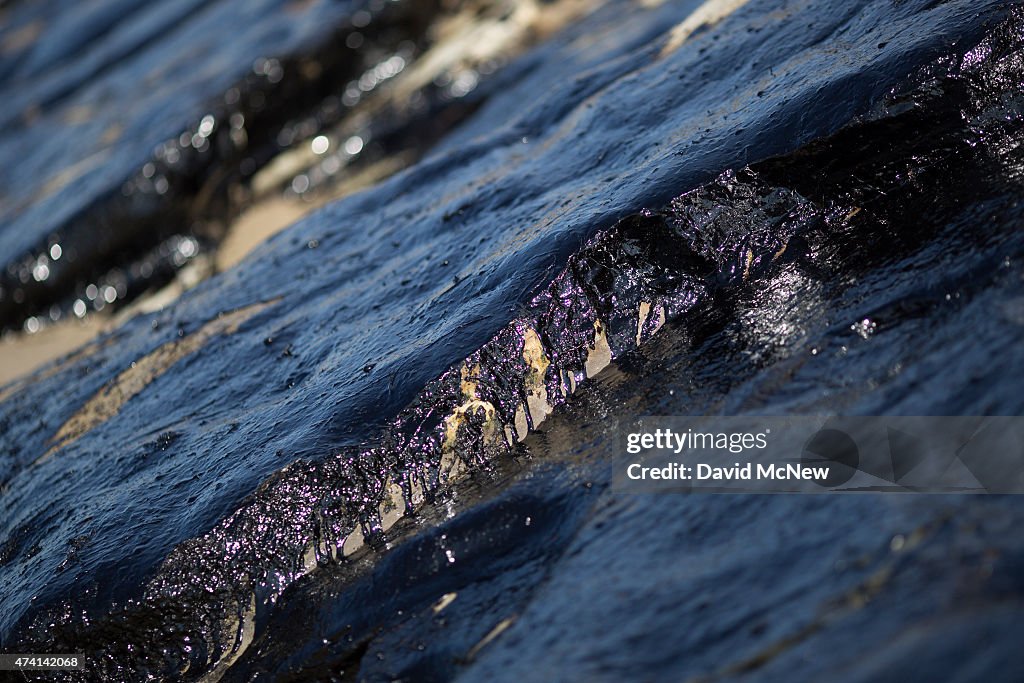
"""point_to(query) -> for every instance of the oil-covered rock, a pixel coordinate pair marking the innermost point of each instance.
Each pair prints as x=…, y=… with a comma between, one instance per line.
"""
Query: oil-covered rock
x=392, y=425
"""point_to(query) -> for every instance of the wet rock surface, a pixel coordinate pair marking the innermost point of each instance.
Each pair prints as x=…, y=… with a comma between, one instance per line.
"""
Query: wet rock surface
x=134, y=134
x=106, y=91
x=810, y=207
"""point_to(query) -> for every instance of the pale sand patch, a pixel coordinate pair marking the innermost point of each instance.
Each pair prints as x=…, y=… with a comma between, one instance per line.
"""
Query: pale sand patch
x=272, y=212
x=107, y=402
x=708, y=14
x=257, y=224
x=485, y=31
x=21, y=354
